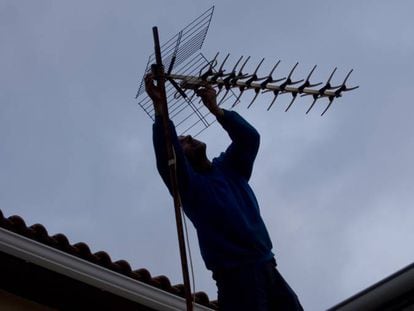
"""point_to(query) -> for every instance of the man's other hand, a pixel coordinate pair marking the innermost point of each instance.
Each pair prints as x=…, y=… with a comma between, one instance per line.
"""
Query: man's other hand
x=209, y=97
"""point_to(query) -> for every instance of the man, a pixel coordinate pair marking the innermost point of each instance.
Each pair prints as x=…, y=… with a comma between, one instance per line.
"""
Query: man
x=233, y=239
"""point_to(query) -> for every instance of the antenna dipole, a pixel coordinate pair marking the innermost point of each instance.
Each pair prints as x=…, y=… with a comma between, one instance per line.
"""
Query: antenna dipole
x=245, y=81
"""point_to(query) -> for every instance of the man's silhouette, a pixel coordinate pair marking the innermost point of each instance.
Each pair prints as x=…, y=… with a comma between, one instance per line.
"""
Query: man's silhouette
x=217, y=198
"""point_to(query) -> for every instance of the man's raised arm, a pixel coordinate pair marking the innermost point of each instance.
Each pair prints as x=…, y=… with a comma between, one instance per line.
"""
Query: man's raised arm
x=184, y=170
x=241, y=153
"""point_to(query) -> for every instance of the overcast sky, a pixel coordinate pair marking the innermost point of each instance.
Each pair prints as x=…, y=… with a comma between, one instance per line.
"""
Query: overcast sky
x=336, y=192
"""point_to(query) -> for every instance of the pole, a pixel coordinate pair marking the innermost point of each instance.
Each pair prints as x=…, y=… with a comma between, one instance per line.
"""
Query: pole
x=160, y=77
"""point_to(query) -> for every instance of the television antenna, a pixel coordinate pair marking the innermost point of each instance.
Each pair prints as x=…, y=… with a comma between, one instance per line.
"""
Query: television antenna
x=187, y=71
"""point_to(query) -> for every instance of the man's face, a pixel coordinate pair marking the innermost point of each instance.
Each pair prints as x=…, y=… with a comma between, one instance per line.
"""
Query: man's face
x=193, y=148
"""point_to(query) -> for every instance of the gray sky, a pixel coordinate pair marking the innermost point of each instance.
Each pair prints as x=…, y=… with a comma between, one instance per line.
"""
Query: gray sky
x=335, y=192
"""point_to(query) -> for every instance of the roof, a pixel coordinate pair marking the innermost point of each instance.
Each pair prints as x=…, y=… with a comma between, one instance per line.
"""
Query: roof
x=35, y=237
x=395, y=292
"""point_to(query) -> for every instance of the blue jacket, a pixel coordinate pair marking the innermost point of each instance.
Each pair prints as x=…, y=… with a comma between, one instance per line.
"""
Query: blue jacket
x=220, y=203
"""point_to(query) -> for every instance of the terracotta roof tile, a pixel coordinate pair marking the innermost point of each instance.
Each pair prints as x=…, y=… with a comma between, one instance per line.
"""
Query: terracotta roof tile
x=59, y=241
x=163, y=282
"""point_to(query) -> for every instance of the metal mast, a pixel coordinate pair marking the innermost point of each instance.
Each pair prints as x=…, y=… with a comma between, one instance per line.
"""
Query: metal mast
x=158, y=70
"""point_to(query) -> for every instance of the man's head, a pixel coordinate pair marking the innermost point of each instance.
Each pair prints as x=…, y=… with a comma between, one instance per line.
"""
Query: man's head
x=195, y=151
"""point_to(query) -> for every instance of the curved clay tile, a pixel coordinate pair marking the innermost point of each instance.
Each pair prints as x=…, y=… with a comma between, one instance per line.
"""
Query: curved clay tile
x=59, y=241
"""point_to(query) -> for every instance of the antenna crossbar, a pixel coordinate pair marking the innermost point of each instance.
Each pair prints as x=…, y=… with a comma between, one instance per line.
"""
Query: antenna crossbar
x=244, y=81
x=194, y=82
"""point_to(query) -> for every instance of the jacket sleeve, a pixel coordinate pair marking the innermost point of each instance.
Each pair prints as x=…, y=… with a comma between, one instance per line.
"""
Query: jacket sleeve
x=184, y=170
x=241, y=153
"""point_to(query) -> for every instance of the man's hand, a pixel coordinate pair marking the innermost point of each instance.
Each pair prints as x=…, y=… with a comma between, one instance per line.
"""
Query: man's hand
x=209, y=97
x=154, y=92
